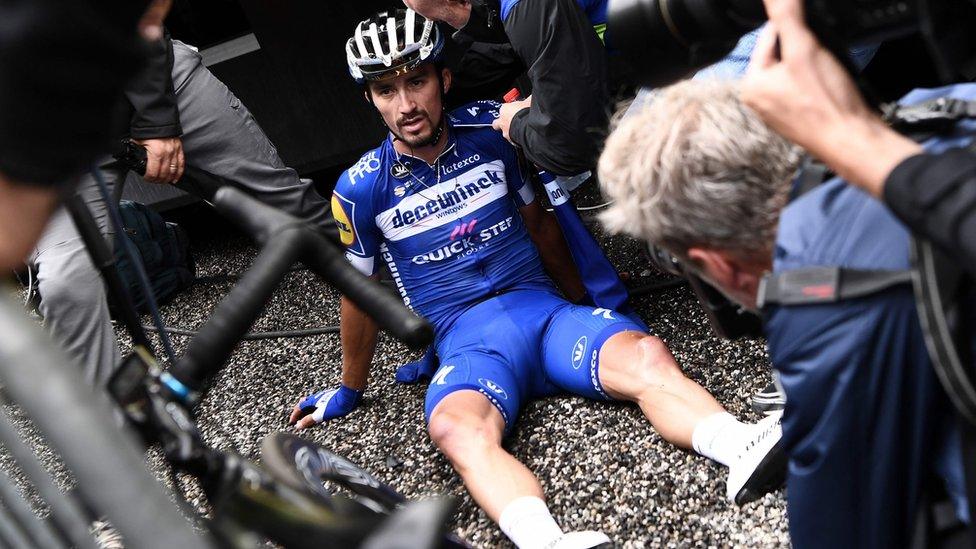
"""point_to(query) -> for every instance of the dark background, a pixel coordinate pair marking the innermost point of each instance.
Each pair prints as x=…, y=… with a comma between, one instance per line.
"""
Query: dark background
x=296, y=85
x=299, y=90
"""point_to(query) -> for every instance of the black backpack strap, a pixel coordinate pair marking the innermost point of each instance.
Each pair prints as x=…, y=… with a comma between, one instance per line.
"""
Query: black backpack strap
x=817, y=285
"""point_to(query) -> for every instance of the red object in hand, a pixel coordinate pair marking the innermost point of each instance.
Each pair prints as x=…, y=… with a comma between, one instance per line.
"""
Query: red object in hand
x=512, y=95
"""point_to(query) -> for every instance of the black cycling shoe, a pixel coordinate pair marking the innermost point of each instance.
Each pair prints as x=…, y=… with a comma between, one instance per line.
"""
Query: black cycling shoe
x=770, y=399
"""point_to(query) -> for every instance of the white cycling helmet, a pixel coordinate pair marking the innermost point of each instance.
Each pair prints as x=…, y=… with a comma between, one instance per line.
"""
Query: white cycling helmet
x=391, y=43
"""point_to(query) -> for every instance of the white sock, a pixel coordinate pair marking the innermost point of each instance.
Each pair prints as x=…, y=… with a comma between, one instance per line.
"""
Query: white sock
x=720, y=437
x=527, y=522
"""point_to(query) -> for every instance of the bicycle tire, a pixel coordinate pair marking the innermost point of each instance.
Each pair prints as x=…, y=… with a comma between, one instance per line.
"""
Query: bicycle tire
x=305, y=465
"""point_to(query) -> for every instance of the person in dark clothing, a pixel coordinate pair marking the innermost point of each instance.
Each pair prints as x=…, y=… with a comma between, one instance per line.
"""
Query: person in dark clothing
x=62, y=66
x=799, y=89
x=181, y=113
x=562, y=125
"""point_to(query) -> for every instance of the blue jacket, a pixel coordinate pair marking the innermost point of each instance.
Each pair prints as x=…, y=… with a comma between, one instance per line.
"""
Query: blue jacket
x=866, y=421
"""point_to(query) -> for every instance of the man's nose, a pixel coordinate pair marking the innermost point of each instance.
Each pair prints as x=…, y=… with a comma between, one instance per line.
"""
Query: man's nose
x=407, y=104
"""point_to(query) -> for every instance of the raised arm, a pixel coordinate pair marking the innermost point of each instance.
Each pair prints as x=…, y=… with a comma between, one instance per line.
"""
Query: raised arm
x=563, y=129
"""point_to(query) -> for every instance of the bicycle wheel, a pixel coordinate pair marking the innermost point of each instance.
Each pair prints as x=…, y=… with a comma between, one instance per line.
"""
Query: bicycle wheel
x=305, y=465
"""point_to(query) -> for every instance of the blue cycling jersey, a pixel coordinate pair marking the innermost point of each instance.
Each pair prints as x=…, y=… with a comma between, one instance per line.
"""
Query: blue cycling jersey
x=450, y=232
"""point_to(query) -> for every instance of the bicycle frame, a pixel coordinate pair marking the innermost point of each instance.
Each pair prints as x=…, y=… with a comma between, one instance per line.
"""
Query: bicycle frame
x=159, y=402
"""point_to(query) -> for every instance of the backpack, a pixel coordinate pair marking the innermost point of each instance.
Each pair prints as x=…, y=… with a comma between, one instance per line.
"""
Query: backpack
x=163, y=248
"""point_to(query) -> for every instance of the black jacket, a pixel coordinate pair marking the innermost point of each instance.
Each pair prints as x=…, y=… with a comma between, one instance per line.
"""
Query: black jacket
x=565, y=128
x=62, y=66
x=935, y=196
x=152, y=109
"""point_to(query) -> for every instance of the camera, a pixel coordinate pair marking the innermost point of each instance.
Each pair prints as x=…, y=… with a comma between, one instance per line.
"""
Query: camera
x=727, y=319
x=667, y=40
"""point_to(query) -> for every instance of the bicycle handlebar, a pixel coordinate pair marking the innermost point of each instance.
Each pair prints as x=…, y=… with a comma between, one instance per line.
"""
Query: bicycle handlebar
x=284, y=240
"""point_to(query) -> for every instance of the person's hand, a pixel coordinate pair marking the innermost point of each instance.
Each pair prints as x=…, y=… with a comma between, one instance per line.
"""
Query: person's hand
x=801, y=91
x=151, y=23
x=164, y=159
x=324, y=405
x=506, y=113
x=420, y=370
x=797, y=86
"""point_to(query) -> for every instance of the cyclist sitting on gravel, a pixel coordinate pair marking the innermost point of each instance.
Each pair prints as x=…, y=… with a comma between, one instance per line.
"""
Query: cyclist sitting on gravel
x=444, y=204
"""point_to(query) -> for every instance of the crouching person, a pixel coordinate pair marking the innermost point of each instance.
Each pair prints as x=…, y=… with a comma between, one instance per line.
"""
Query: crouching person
x=866, y=424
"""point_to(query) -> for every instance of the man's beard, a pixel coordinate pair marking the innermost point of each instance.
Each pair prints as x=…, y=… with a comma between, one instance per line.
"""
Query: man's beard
x=423, y=140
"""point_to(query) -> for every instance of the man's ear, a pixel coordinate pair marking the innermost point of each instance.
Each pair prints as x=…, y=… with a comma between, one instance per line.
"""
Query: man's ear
x=367, y=96
x=446, y=79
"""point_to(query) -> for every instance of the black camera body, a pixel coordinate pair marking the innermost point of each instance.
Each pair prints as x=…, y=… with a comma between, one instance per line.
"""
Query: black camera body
x=667, y=40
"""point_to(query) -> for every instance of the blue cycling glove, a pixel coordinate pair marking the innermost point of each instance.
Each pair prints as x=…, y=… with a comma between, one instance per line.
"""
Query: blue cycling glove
x=419, y=371
x=330, y=403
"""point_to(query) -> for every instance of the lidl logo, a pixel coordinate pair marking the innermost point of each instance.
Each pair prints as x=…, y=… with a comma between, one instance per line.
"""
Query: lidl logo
x=346, y=233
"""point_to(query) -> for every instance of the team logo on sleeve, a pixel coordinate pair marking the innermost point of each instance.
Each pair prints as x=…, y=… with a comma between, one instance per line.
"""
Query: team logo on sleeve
x=344, y=211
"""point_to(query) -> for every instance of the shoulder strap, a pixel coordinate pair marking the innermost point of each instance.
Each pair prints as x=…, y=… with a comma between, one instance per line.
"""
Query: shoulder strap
x=935, y=115
x=818, y=285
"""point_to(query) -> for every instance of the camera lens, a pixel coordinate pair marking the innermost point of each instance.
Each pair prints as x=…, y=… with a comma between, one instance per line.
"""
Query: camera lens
x=666, y=40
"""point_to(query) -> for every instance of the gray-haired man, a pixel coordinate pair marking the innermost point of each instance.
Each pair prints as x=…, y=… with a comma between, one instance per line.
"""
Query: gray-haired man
x=865, y=424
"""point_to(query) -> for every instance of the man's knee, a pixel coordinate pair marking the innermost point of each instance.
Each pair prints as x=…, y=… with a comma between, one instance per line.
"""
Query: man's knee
x=641, y=360
x=461, y=435
x=70, y=289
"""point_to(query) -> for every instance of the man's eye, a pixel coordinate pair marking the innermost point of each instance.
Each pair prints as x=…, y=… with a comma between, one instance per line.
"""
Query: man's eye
x=386, y=92
x=417, y=82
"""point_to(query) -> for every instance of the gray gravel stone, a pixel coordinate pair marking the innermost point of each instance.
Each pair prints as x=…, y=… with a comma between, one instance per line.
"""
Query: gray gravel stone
x=602, y=465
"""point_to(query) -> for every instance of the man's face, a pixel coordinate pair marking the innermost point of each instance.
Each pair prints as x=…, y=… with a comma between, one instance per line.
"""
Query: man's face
x=735, y=275
x=410, y=104
x=453, y=12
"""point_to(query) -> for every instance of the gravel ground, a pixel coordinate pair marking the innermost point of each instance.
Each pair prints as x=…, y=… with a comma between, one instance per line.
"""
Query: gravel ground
x=601, y=465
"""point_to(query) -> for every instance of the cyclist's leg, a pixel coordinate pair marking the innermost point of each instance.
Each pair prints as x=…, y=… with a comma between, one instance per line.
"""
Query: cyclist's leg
x=638, y=367
x=472, y=401
x=73, y=298
x=601, y=354
x=221, y=136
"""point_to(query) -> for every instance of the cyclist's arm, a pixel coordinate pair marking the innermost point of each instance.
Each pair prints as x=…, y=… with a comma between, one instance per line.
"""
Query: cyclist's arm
x=353, y=212
x=358, y=333
x=548, y=238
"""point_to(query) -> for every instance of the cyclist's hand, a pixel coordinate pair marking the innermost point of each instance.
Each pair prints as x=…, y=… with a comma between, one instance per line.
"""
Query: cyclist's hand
x=324, y=405
x=164, y=159
x=419, y=371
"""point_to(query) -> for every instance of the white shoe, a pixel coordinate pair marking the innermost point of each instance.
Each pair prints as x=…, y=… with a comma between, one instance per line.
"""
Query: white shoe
x=588, y=539
x=761, y=464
